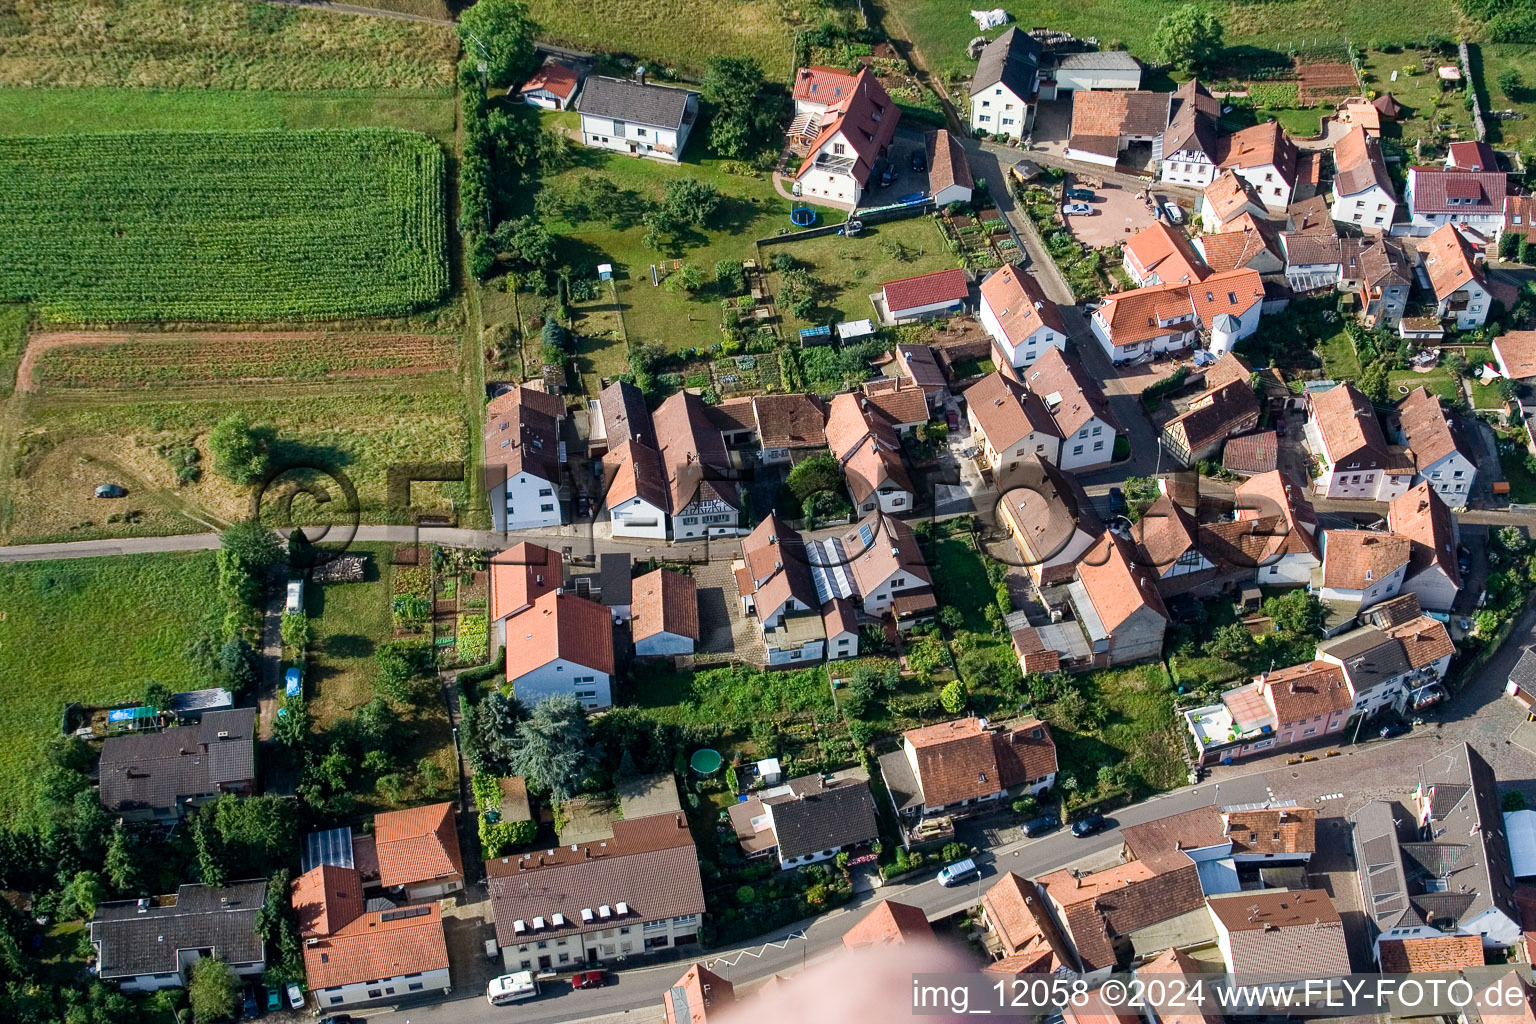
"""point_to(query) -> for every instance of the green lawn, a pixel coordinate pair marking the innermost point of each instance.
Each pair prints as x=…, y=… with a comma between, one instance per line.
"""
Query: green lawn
x=680, y=321
x=64, y=110
x=941, y=30
x=1439, y=381
x=1489, y=60
x=1139, y=727
x=1339, y=358
x=1427, y=104
x=1486, y=396
x=680, y=34
x=347, y=622
x=960, y=580
x=851, y=269
x=130, y=617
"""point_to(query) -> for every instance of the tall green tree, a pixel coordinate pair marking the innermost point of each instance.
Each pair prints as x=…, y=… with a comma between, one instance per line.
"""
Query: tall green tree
x=499, y=33
x=690, y=201
x=1298, y=612
x=1188, y=37
x=122, y=863
x=210, y=852
x=820, y=472
x=742, y=116
x=554, y=749
x=239, y=452
x=81, y=896
x=213, y=990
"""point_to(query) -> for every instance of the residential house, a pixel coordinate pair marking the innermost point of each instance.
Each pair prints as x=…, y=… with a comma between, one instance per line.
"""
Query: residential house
x=666, y=614
x=521, y=575
x=1309, y=216
x=1226, y=843
x=704, y=497
x=552, y=87
x=1390, y=666
x=1295, y=935
x=562, y=645
x=1116, y=601
x=1228, y=197
x=806, y=820
x=697, y=993
x=1244, y=241
x=1473, y=200
x=1442, y=454
x=1023, y=323
x=1456, y=278
x=785, y=428
x=637, y=117
x=1050, y=518
x=864, y=439
x=1362, y=567
x=1279, y=529
x=922, y=297
x=618, y=416
x=162, y=775
x=1386, y=278
x=1105, y=123
x=1431, y=954
x=1267, y=159
x=949, y=170
x=1444, y=869
x=919, y=368
x=963, y=766
x=1277, y=709
x=354, y=956
x=1471, y=156
x=637, y=498
x=1515, y=353
x=1019, y=929
x=1005, y=87
x=1345, y=437
x=1098, y=69
x=1102, y=912
x=523, y=459
x=846, y=123
x=1084, y=419
x=1433, y=574
x=1187, y=151
x=418, y=851
x=591, y=903
x=1145, y=322
x=889, y=924
x=889, y=573
x=1011, y=422
x=1198, y=433
x=144, y=945
x=1362, y=189
x=1168, y=1007
x=1167, y=543
x=1316, y=260
x=1519, y=219
x=1252, y=454
x=1161, y=254
x=776, y=587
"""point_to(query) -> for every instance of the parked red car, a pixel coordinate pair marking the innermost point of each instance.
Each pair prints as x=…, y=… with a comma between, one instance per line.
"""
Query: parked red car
x=587, y=979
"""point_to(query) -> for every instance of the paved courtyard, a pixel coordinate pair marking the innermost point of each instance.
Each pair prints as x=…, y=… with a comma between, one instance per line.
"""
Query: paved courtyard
x=1118, y=214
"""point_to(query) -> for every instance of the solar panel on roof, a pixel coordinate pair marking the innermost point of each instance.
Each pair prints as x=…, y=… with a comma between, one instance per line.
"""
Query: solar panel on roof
x=680, y=1003
x=401, y=915
x=866, y=534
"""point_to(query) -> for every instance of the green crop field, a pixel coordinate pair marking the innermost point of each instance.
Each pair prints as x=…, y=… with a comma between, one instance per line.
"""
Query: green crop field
x=216, y=44
x=232, y=226
x=136, y=610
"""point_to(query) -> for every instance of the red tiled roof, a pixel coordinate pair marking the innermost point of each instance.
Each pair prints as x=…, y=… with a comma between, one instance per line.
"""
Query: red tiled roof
x=417, y=845
x=703, y=991
x=560, y=626
x=693, y=452
x=1024, y=751
x=377, y=946
x=1449, y=263
x=1348, y=426
x=1302, y=692
x=1356, y=559
x=1229, y=193
x=1240, y=242
x=1437, y=953
x=665, y=602
x=1516, y=352
x=1070, y=393
x=925, y=289
x=889, y=924
x=1251, y=454
x=947, y=164
x=1471, y=156
x=1011, y=917
x=1261, y=145
x=1520, y=215
x=1117, y=587
x=327, y=898
x=1292, y=934
x=1020, y=306
x=1137, y=315
x=636, y=471
x=1433, y=189
x=1425, y=640
x=1174, y=1010
x=825, y=85
x=954, y=761
x=1421, y=515
x=521, y=575
x=555, y=78
x=1006, y=412
x=1165, y=251
x=866, y=119
x=1359, y=165
x=1271, y=829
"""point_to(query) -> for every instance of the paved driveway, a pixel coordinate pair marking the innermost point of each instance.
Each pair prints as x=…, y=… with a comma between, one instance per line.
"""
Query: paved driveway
x=1117, y=215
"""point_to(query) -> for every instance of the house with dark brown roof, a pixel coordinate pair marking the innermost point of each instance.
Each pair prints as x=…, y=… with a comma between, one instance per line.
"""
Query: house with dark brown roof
x=523, y=459
x=418, y=851
x=1252, y=454
x=1443, y=457
x=1198, y=433
x=1274, y=530
x=1167, y=542
x=806, y=820
x=162, y=775
x=1515, y=352
x=1345, y=435
x=618, y=416
x=1005, y=88
x=666, y=614
x=949, y=170
x=591, y=903
x=703, y=494
x=1244, y=241
x=1101, y=912
x=783, y=427
x=562, y=645
x=943, y=769
x=889, y=924
x=1190, y=146
x=354, y=956
x=865, y=439
x=1011, y=422
x=1290, y=935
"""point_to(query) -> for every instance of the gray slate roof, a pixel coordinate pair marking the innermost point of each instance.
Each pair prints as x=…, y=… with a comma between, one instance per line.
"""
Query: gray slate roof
x=1524, y=672
x=1099, y=60
x=136, y=940
x=615, y=579
x=1012, y=58
x=156, y=770
x=624, y=100
x=824, y=819
x=1369, y=656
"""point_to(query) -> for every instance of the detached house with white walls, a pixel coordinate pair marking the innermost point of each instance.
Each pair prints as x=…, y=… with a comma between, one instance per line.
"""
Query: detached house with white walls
x=965, y=766
x=843, y=125
x=1088, y=427
x=1143, y=323
x=1362, y=567
x=1433, y=575
x=1187, y=151
x=145, y=945
x=704, y=497
x=1005, y=88
x=1362, y=190
x=1470, y=199
x=1160, y=254
x=637, y=117
x=889, y=574
x=1443, y=457
x=562, y=645
x=523, y=459
x=1023, y=323
x=1456, y=278
x=806, y=820
x=865, y=439
x=1354, y=459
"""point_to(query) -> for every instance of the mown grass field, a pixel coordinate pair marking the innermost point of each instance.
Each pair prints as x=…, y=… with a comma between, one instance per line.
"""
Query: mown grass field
x=216, y=44
x=223, y=225
x=62, y=111
x=13, y=335
x=94, y=631
x=941, y=30
x=681, y=34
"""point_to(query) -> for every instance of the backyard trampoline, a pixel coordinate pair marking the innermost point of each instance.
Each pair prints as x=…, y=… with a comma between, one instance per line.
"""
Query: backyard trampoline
x=705, y=762
x=802, y=216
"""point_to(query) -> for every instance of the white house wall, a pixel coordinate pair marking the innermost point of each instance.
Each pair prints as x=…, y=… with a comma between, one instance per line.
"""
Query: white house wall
x=1097, y=441
x=526, y=502
x=997, y=110
x=599, y=133
x=403, y=986
x=638, y=518
x=601, y=945
x=663, y=644
x=558, y=677
x=1029, y=348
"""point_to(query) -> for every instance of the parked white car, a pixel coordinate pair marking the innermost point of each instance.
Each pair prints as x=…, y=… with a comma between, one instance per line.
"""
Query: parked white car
x=1077, y=210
